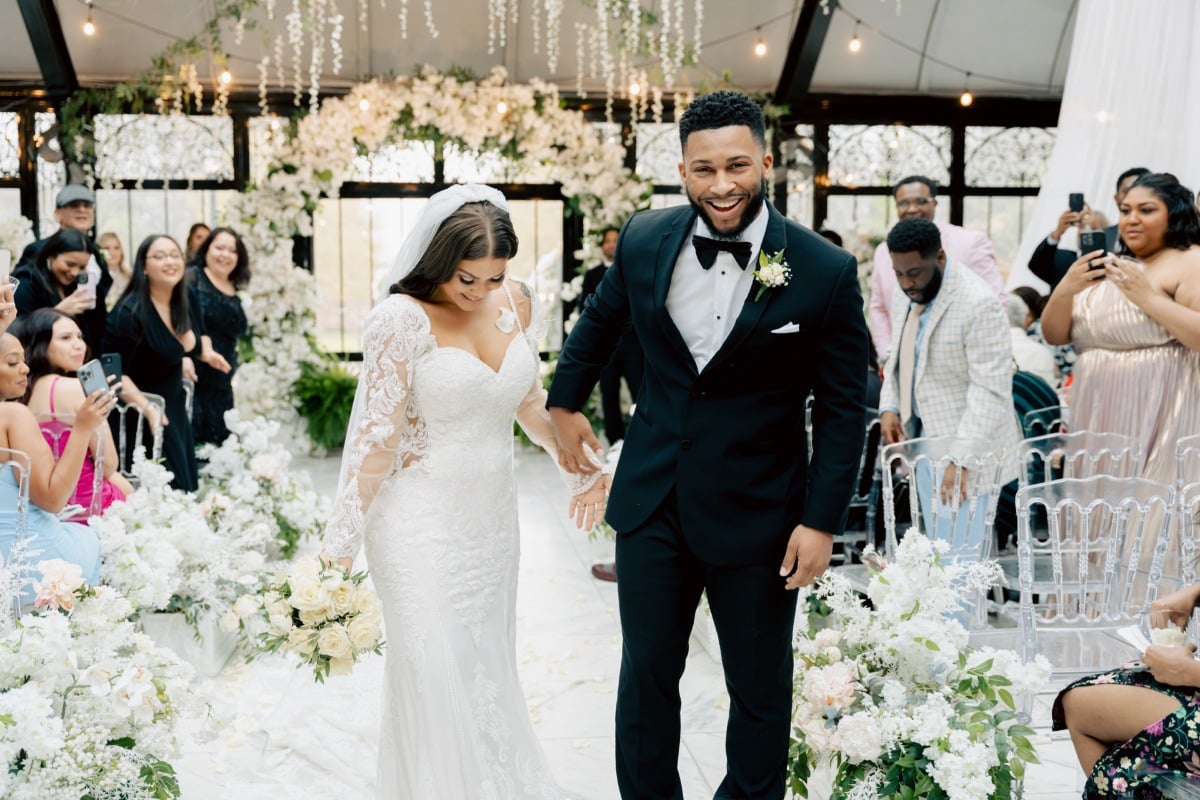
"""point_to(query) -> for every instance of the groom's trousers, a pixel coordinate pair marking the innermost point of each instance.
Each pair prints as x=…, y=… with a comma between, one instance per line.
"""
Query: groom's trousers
x=658, y=586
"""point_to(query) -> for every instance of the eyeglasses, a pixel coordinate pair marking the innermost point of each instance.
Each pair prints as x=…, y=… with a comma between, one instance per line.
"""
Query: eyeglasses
x=919, y=202
x=174, y=255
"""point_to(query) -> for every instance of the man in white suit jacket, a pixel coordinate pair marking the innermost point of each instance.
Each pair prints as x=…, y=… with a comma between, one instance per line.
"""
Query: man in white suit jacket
x=916, y=198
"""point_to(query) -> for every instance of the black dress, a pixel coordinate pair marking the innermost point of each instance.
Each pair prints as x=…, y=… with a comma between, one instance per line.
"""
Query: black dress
x=153, y=358
x=39, y=289
x=220, y=316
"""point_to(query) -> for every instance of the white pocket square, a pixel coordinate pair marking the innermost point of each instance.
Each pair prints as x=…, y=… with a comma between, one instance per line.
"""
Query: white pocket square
x=791, y=327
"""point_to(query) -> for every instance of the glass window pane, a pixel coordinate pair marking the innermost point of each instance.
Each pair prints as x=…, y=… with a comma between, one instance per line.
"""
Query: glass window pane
x=797, y=160
x=51, y=176
x=862, y=221
x=880, y=155
x=1007, y=156
x=163, y=147
x=10, y=149
x=491, y=167
x=134, y=214
x=658, y=152
x=355, y=241
x=407, y=162
x=1003, y=219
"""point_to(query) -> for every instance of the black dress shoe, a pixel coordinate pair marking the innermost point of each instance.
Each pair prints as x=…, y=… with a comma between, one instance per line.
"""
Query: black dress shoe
x=605, y=571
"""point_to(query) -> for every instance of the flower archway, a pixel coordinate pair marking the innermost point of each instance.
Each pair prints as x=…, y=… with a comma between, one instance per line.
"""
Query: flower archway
x=523, y=123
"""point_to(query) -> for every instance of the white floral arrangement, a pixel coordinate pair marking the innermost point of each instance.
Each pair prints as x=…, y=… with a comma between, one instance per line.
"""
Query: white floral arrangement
x=15, y=233
x=326, y=616
x=893, y=701
x=248, y=484
x=89, y=707
x=534, y=130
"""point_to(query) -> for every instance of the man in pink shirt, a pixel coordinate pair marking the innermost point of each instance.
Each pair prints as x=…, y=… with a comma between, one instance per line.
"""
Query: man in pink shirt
x=916, y=196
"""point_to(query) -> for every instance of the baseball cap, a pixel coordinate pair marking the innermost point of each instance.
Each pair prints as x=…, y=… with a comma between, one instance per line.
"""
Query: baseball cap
x=73, y=192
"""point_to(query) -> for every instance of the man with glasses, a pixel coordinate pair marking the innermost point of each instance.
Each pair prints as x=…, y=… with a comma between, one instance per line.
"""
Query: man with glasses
x=75, y=207
x=916, y=197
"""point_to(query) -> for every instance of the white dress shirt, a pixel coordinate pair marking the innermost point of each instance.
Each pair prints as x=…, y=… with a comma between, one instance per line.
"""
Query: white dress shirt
x=704, y=303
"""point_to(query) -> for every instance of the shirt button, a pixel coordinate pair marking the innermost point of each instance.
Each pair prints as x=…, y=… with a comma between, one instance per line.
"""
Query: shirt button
x=718, y=316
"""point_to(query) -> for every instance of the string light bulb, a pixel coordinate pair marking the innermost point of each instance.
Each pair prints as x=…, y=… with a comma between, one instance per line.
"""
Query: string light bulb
x=502, y=107
x=635, y=89
x=226, y=76
x=760, y=47
x=364, y=104
x=966, y=98
x=855, y=42
x=89, y=27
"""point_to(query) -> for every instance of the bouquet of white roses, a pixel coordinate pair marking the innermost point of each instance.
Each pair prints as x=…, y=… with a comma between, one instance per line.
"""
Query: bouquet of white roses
x=892, y=699
x=323, y=614
x=89, y=707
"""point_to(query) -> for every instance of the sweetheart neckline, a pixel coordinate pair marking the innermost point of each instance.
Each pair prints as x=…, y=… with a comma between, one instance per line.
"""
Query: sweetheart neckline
x=495, y=372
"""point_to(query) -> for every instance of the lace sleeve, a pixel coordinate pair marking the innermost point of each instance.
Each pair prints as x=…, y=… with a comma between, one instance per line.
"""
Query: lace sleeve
x=532, y=415
x=386, y=431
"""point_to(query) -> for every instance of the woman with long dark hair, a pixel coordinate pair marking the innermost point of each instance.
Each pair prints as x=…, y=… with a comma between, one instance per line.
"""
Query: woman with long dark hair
x=220, y=268
x=53, y=280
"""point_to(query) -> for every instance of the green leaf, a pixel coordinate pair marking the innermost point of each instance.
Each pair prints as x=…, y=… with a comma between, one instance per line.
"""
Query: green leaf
x=762, y=258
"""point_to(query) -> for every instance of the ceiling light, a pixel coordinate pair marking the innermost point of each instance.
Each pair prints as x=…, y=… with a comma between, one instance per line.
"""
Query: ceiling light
x=855, y=42
x=89, y=27
x=760, y=47
x=966, y=98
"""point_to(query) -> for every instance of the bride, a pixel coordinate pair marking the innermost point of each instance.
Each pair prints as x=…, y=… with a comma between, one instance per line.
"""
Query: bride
x=449, y=357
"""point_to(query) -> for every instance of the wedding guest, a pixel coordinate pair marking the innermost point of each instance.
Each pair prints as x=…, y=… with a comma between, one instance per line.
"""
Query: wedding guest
x=153, y=330
x=51, y=481
x=1133, y=726
x=1134, y=319
x=54, y=351
x=1029, y=354
x=832, y=236
x=916, y=198
x=219, y=269
x=1064, y=354
x=114, y=255
x=52, y=281
x=75, y=209
x=195, y=237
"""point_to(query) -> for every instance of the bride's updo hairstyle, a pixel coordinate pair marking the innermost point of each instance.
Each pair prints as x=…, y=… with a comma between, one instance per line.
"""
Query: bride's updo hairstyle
x=475, y=230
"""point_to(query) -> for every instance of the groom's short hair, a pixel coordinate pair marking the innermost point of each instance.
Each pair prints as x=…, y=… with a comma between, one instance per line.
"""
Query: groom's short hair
x=720, y=110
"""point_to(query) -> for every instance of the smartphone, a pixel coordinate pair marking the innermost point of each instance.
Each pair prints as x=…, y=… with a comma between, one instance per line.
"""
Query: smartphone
x=85, y=288
x=1075, y=201
x=111, y=362
x=1092, y=240
x=91, y=376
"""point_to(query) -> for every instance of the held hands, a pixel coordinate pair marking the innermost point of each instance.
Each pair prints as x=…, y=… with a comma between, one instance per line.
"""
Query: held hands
x=1175, y=607
x=587, y=507
x=806, y=558
x=574, y=434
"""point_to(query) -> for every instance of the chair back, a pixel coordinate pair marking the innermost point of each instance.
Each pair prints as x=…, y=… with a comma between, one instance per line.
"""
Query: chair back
x=20, y=463
x=943, y=502
x=865, y=497
x=1187, y=522
x=1082, y=454
x=1187, y=460
x=1041, y=421
x=134, y=432
x=57, y=428
x=1100, y=561
x=14, y=570
x=1036, y=404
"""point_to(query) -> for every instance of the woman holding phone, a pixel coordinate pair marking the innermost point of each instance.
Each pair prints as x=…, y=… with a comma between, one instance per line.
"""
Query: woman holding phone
x=54, y=352
x=52, y=280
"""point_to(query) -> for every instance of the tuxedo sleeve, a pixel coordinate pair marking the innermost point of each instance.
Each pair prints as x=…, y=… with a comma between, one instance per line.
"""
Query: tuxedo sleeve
x=602, y=319
x=838, y=412
x=1041, y=263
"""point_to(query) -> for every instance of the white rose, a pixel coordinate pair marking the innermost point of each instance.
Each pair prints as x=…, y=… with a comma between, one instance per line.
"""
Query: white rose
x=334, y=642
x=245, y=606
x=300, y=641
x=229, y=621
x=59, y=581
x=340, y=666
x=363, y=633
x=308, y=594
x=279, y=625
x=827, y=637
x=341, y=598
x=366, y=602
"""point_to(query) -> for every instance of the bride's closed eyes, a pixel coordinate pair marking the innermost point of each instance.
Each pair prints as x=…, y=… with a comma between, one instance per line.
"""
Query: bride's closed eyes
x=467, y=280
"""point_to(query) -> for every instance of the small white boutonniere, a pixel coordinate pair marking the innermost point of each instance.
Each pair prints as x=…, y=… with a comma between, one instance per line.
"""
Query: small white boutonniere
x=772, y=271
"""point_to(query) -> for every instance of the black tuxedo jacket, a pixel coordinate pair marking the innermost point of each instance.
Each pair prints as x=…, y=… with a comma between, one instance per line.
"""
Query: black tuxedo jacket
x=731, y=441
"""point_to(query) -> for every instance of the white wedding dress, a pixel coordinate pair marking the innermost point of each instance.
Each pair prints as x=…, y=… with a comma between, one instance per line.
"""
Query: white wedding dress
x=428, y=486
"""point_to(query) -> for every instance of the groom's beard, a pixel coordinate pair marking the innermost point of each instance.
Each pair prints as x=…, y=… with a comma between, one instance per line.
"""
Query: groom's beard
x=754, y=204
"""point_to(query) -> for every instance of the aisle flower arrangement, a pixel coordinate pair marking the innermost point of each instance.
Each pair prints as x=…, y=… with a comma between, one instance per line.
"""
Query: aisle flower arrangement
x=893, y=701
x=89, y=707
x=326, y=616
x=15, y=233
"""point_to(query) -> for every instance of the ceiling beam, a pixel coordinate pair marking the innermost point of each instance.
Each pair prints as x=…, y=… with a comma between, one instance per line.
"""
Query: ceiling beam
x=50, y=47
x=803, y=52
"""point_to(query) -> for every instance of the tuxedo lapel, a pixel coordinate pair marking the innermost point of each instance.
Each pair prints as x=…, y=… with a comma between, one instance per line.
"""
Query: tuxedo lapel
x=774, y=240
x=669, y=245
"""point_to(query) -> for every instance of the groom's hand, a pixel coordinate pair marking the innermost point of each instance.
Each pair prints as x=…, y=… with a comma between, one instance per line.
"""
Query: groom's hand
x=807, y=556
x=574, y=433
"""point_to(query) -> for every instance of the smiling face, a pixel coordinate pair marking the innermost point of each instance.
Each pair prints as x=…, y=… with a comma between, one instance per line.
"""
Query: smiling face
x=66, y=349
x=65, y=267
x=164, y=263
x=1144, y=220
x=78, y=214
x=474, y=280
x=723, y=172
x=915, y=200
x=13, y=370
x=222, y=256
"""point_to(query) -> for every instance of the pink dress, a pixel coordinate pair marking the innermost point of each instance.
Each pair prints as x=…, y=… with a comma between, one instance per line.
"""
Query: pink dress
x=57, y=434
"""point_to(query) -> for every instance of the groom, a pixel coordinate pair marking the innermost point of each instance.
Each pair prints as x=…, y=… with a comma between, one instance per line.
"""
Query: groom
x=714, y=491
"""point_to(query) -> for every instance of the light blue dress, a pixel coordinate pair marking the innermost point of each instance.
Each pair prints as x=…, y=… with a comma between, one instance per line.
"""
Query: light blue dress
x=48, y=537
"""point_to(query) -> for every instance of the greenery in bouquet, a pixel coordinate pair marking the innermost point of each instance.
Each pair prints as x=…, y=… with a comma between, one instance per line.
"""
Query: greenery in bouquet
x=89, y=706
x=326, y=616
x=161, y=549
x=247, y=484
x=890, y=698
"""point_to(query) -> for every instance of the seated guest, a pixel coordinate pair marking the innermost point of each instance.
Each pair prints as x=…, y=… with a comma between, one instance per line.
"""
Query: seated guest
x=51, y=481
x=1064, y=354
x=1030, y=355
x=1133, y=726
x=54, y=351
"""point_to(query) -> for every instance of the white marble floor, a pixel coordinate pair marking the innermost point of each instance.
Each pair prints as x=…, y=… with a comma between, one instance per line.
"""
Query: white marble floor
x=569, y=643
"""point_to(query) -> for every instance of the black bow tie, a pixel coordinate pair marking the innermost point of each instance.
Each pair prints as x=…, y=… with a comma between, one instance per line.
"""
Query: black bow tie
x=707, y=249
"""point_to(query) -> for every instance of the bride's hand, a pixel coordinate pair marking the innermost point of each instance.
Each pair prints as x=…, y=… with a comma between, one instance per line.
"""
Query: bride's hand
x=587, y=507
x=344, y=562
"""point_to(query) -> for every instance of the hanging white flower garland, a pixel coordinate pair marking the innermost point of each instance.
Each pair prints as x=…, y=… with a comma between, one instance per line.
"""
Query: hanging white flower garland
x=533, y=129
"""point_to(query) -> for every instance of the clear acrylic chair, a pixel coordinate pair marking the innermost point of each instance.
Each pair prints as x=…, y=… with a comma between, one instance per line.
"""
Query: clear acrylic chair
x=134, y=432
x=19, y=463
x=1081, y=454
x=1041, y=421
x=864, y=499
x=1187, y=460
x=1099, y=567
x=57, y=428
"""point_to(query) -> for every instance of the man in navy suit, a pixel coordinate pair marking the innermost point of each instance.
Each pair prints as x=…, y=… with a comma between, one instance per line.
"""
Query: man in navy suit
x=714, y=491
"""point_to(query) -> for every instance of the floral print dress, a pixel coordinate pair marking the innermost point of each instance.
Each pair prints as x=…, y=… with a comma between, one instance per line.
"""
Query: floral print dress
x=1170, y=746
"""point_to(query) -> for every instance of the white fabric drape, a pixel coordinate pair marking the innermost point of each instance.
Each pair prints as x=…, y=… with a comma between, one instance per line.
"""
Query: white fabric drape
x=1132, y=98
